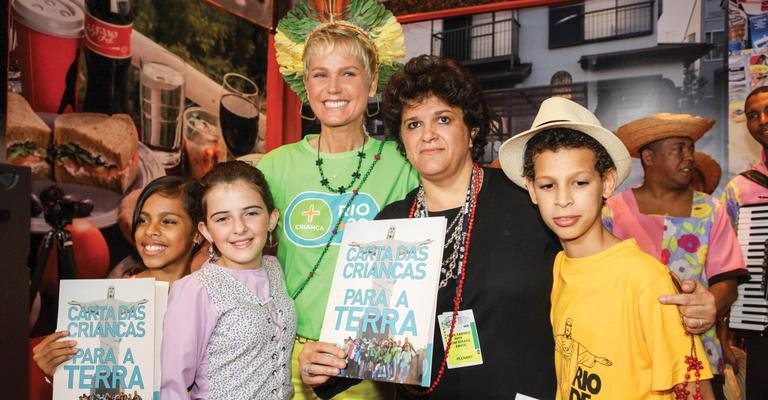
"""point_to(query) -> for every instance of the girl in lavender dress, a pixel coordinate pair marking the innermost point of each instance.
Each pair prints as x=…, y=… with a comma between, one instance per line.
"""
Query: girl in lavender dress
x=229, y=329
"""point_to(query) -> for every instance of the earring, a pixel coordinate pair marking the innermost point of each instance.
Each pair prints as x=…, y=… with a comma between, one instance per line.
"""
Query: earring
x=304, y=117
x=375, y=113
x=270, y=243
x=211, y=251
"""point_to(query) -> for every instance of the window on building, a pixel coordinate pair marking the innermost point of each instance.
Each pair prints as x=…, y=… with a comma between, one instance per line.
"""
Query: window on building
x=605, y=20
x=481, y=43
x=565, y=25
x=713, y=10
x=717, y=38
x=599, y=20
x=455, y=37
x=492, y=34
x=479, y=36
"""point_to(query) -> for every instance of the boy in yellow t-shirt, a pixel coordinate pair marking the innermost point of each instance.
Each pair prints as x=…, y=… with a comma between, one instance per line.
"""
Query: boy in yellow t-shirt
x=613, y=339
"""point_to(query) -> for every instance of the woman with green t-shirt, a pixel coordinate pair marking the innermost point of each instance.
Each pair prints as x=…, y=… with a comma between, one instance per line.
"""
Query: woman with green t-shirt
x=340, y=174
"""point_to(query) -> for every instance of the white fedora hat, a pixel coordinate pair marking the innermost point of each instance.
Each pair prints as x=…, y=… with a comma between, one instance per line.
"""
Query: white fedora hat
x=559, y=112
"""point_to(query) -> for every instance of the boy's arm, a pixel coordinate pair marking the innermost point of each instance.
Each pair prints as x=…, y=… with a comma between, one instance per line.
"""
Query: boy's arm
x=667, y=343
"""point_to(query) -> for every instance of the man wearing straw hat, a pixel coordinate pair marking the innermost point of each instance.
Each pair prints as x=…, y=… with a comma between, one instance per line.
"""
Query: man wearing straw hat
x=687, y=230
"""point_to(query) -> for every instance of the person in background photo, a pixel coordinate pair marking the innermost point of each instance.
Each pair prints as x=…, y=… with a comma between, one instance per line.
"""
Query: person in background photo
x=636, y=347
x=165, y=237
x=748, y=188
x=686, y=230
x=229, y=328
x=705, y=179
x=341, y=173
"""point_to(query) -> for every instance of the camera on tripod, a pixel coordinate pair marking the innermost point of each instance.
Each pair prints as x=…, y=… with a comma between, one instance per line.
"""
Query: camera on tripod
x=60, y=213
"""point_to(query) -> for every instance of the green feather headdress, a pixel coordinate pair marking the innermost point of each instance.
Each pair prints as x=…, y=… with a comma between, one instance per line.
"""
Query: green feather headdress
x=368, y=17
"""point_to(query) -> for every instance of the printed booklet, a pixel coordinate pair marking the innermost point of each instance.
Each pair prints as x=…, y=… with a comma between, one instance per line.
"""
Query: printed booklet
x=381, y=308
x=117, y=324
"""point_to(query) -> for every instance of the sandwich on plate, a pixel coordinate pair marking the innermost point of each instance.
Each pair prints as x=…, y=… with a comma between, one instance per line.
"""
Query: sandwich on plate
x=27, y=138
x=96, y=149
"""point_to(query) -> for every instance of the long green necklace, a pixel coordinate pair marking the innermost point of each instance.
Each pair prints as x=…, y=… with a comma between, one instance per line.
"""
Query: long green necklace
x=335, y=230
x=355, y=175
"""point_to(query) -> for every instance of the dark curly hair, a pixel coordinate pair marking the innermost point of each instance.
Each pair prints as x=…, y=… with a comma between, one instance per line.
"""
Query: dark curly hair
x=233, y=171
x=564, y=138
x=426, y=76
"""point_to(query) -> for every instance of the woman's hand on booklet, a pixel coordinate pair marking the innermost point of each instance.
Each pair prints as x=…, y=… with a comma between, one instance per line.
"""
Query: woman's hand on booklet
x=696, y=305
x=51, y=352
x=319, y=362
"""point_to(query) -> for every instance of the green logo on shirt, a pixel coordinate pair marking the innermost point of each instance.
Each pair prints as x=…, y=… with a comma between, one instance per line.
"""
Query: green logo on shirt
x=310, y=218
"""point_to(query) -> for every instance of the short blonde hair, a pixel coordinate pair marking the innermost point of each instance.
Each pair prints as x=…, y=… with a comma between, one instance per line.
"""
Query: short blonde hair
x=357, y=44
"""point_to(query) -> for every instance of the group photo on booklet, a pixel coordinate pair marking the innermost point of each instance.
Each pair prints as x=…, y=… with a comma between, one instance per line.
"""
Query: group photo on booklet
x=401, y=199
x=383, y=294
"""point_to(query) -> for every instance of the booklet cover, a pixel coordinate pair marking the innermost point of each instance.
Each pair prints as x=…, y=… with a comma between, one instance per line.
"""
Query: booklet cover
x=161, y=304
x=117, y=325
x=381, y=308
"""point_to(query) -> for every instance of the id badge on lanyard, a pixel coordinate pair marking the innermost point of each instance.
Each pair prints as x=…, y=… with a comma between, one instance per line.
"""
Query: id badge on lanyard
x=465, y=345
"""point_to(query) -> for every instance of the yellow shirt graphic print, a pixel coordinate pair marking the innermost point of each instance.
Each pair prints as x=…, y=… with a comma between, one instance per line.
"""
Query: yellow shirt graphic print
x=575, y=359
x=613, y=339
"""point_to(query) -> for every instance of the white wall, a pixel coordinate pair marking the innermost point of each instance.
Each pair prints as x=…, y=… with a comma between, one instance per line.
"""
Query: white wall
x=418, y=37
x=607, y=13
x=677, y=21
x=534, y=48
x=694, y=23
x=534, y=44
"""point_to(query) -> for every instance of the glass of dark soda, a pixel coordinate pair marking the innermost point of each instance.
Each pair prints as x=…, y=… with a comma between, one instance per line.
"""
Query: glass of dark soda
x=239, y=114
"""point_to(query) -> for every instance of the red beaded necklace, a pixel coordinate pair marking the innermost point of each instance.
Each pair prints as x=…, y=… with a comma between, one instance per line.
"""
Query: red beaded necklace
x=477, y=179
x=694, y=364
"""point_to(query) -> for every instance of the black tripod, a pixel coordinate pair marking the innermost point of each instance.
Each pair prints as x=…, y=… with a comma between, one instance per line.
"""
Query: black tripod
x=57, y=215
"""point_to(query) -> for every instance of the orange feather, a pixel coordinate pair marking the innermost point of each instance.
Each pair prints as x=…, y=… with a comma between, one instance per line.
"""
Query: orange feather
x=338, y=8
x=326, y=8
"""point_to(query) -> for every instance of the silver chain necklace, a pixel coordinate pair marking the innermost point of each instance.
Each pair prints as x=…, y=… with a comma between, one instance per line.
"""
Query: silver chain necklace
x=456, y=228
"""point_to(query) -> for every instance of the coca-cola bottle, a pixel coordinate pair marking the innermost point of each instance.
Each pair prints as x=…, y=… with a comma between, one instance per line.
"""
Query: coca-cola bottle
x=108, y=27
